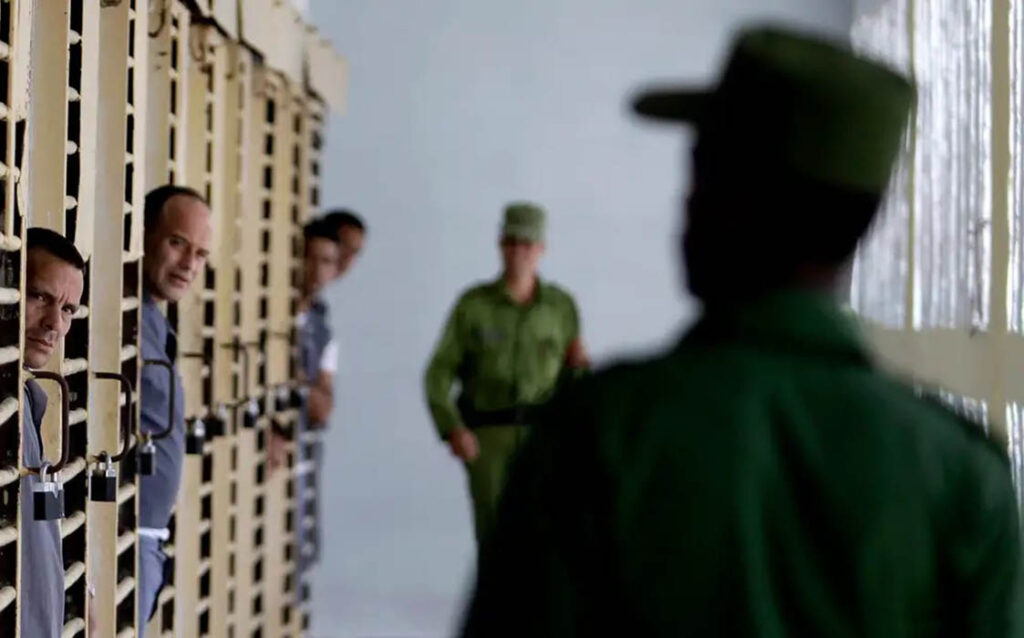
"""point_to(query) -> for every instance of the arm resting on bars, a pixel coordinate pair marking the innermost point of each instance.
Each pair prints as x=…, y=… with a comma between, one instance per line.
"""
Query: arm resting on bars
x=321, y=400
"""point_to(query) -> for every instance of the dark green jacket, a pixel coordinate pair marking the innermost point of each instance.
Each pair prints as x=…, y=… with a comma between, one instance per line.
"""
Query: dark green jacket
x=763, y=479
x=502, y=354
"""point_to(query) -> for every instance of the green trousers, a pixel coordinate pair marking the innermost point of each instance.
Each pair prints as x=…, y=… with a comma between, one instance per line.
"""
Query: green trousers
x=487, y=474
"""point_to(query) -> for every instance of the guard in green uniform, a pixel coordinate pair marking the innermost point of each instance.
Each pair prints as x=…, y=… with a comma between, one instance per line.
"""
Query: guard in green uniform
x=762, y=478
x=507, y=343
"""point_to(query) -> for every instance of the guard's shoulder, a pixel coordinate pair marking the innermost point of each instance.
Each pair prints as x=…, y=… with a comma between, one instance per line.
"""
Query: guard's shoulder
x=967, y=417
x=476, y=292
x=558, y=293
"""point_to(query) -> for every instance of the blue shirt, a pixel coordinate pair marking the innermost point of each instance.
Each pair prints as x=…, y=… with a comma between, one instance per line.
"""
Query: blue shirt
x=159, y=491
x=314, y=335
x=42, y=566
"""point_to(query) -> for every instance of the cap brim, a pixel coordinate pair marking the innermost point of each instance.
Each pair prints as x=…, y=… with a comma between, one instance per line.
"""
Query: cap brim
x=522, y=234
x=672, y=104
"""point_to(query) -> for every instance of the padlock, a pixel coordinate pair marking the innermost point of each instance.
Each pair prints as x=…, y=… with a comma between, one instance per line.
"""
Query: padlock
x=147, y=458
x=47, y=497
x=103, y=481
x=195, y=437
x=216, y=422
x=283, y=398
x=252, y=413
x=299, y=397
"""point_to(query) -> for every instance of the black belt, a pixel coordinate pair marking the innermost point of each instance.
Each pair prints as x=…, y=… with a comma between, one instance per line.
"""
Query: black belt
x=518, y=415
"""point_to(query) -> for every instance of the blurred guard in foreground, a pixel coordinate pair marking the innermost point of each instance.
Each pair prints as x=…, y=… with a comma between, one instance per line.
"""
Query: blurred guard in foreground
x=762, y=478
x=507, y=343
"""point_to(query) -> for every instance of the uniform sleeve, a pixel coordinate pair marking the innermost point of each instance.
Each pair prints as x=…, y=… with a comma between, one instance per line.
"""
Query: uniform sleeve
x=572, y=328
x=573, y=320
x=545, y=571
x=441, y=374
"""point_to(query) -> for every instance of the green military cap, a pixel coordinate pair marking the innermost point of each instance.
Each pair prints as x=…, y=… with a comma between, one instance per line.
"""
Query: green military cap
x=798, y=106
x=524, y=221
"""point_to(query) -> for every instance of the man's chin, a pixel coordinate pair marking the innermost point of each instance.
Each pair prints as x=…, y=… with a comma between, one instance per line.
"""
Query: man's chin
x=174, y=293
x=35, y=358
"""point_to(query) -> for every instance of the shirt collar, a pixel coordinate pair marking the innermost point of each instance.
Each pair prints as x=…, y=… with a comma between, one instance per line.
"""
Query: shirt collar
x=501, y=288
x=152, y=314
x=37, y=400
x=148, y=301
x=791, y=320
x=318, y=305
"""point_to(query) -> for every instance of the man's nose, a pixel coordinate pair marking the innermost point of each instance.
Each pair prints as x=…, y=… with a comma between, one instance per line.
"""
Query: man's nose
x=189, y=260
x=52, y=317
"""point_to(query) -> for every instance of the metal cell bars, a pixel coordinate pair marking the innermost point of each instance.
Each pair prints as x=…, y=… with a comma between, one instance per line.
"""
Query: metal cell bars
x=178, y=41
x=881, y=277
x=131, y=294
x=251, y=277
x=307, y=495
x=8, y=173
x=298, y=524
x=231, y=87
x=264, y=113
x=1015, y=275
x=76, y=344
x=286, y=121
x=11, y=259
x=206, y=63
x=953, y=165
x=168, y=53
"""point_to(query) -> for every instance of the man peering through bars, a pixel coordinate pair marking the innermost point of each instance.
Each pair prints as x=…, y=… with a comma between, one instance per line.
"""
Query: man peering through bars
x=54, y=281
x=178, y=232
x=331, y=244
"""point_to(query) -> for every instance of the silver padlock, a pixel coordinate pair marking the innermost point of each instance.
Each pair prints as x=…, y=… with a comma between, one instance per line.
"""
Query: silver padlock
x=195, y=437
x=283, y=398
x=47, y=496
x=147, y=458
x=299, y=396
x=252, y=414
x=217, y=422
x=103, y=481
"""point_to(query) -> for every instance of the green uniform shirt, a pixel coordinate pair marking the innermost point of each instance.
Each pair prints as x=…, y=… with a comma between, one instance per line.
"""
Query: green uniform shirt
x=503, y=354
x=762, y=479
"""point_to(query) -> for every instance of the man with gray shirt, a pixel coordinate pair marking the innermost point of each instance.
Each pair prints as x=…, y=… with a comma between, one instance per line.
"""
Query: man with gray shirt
x=53, y=290
x=177, y=242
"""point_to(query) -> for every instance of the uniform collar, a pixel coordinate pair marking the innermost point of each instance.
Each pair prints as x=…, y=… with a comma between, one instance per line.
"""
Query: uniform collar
x=791, y=320
x=501, y=288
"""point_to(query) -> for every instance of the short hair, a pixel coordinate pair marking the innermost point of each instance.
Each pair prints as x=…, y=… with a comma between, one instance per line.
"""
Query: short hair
x=341, y=217
x=320, y=229
x=56, y=244
x=157, y=198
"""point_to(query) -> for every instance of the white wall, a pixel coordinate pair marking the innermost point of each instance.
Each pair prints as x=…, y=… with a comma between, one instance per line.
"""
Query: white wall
x=457, y=106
